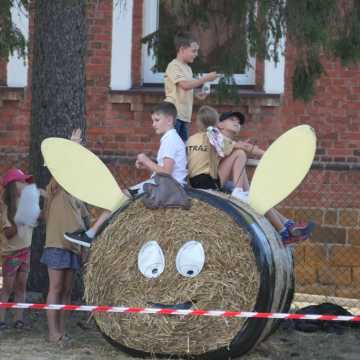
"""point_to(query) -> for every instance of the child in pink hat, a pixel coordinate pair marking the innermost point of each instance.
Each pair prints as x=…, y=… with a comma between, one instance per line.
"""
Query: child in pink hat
x=19, y=212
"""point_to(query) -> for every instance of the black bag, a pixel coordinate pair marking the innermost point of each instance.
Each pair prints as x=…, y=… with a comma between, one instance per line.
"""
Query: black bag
x=165, y=193
x=316, y=325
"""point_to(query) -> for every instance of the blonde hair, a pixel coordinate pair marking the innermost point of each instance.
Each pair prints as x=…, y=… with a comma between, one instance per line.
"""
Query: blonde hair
x=207, y=116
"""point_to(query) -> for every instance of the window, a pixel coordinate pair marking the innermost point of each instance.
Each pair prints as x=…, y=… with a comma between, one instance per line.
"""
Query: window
x=151, y=23
x=122, y=43
x=17, y=68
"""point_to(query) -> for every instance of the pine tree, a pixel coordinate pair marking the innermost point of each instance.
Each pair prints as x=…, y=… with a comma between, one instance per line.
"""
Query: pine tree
x=11, y=38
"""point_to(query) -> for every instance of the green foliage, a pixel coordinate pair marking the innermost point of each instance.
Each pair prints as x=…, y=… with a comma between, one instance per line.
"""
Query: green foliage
x=347, y=45
x=11, y=38
x=305, y=75
x=243, y=28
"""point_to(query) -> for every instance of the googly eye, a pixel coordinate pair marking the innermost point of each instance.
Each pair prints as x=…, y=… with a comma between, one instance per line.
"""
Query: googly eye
x=151, y=260
x=190, y=259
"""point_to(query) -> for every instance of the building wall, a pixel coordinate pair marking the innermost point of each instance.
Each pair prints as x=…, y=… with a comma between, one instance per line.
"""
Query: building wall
x=119, y=127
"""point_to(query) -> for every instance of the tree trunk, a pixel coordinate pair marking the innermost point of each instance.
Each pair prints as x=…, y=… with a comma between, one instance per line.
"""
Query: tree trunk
x=58, y=93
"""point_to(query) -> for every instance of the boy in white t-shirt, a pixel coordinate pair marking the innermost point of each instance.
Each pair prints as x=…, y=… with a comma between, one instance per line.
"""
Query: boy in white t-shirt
x=171, y=159
x=171, y=156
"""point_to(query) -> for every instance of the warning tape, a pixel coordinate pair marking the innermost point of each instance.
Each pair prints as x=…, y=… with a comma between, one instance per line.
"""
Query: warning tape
x=197, y=312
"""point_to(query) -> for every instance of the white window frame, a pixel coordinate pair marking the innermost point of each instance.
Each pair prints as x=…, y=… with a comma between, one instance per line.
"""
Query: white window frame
x=274, y=73
x=151, y=24
x=16, y=68
x=121, y=45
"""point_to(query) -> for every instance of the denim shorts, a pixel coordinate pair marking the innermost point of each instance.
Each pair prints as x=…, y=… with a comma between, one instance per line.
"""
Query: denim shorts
x=56, y=258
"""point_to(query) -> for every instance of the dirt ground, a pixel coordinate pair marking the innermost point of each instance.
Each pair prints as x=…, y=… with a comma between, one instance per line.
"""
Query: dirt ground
x=86, y=343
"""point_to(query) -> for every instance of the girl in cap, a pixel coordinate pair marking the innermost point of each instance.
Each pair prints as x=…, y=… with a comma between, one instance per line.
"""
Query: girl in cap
x=19, y=213
x=63, y=213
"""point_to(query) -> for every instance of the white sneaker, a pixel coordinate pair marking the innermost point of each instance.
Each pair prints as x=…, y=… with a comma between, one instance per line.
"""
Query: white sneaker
x=241, y=195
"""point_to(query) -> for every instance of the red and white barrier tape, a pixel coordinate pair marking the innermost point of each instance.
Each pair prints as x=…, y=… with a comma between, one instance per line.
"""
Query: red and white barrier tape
x=197, y=312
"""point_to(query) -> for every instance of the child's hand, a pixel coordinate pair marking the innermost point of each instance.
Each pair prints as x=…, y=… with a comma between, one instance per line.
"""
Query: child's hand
x=201, y=95
x=76, y=136
x=10, y=231
x=211, y=76
x=139, y=165
x=141, y=161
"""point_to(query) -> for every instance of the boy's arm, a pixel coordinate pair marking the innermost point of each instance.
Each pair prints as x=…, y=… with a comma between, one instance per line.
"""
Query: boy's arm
x=192, y=84
x=249, y=148
x=145, y=162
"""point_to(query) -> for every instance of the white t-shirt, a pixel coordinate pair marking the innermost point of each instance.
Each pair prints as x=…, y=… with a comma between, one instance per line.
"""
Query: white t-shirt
x=171, y=146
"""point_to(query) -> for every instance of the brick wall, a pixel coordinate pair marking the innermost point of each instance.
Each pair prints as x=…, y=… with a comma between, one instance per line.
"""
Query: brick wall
x=329, y=263
x=119, y=127
x=333, y=112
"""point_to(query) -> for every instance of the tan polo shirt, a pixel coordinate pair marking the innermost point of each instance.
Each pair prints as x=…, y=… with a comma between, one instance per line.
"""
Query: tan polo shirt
x=20, y=241
x=64, y=214
x=202, y=156
x=177, y=71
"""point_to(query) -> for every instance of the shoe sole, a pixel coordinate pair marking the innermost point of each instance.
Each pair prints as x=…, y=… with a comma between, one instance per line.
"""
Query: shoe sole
x=294, y=241
x=78, y=242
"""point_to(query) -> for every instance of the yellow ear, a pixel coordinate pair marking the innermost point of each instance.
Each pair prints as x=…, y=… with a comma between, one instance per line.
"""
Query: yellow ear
x=282, y=168
x=81, y=173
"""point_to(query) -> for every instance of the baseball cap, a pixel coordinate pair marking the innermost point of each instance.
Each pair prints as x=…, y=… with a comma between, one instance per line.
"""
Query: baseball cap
x=15, y=175
x=229, y=114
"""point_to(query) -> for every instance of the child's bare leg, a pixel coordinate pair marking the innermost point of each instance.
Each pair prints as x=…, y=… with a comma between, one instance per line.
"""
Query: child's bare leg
x=232, y=168
x=20, y=292
x=66, y=296
x=100, y=220
x=276, y=220
x=85, y=238
x=245, y=181
x=289, y=231
x=7, y=289
x=280, y=216
x=56, y=279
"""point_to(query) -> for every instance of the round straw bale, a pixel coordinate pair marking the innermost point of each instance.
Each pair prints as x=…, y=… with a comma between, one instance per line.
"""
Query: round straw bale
x=233, y=278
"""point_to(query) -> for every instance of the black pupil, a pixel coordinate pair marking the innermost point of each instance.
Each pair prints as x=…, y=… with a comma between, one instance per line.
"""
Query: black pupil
x=190, y=272
x=154, y=271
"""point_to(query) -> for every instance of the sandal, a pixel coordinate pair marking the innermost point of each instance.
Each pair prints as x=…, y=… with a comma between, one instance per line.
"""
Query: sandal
x=66, y=338
x=3, y=325
x=19, y=325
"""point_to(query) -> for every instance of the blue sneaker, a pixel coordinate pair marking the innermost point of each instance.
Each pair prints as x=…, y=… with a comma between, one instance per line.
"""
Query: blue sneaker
x=289, y=224
x=285, y=234
x=299, y=233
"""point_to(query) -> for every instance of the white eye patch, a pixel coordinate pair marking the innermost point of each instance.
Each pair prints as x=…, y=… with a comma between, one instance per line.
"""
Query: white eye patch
x=151, y=260
x=190, y=259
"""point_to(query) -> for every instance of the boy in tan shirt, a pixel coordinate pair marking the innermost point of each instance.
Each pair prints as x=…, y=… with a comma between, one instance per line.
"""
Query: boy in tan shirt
x=215, y=159
x=179, y=82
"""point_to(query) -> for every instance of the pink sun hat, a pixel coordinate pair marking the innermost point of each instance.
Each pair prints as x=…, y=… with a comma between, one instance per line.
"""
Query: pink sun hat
x=15, y=175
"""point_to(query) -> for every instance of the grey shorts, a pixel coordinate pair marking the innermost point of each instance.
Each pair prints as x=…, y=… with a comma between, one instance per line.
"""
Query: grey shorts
x=55, y=258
